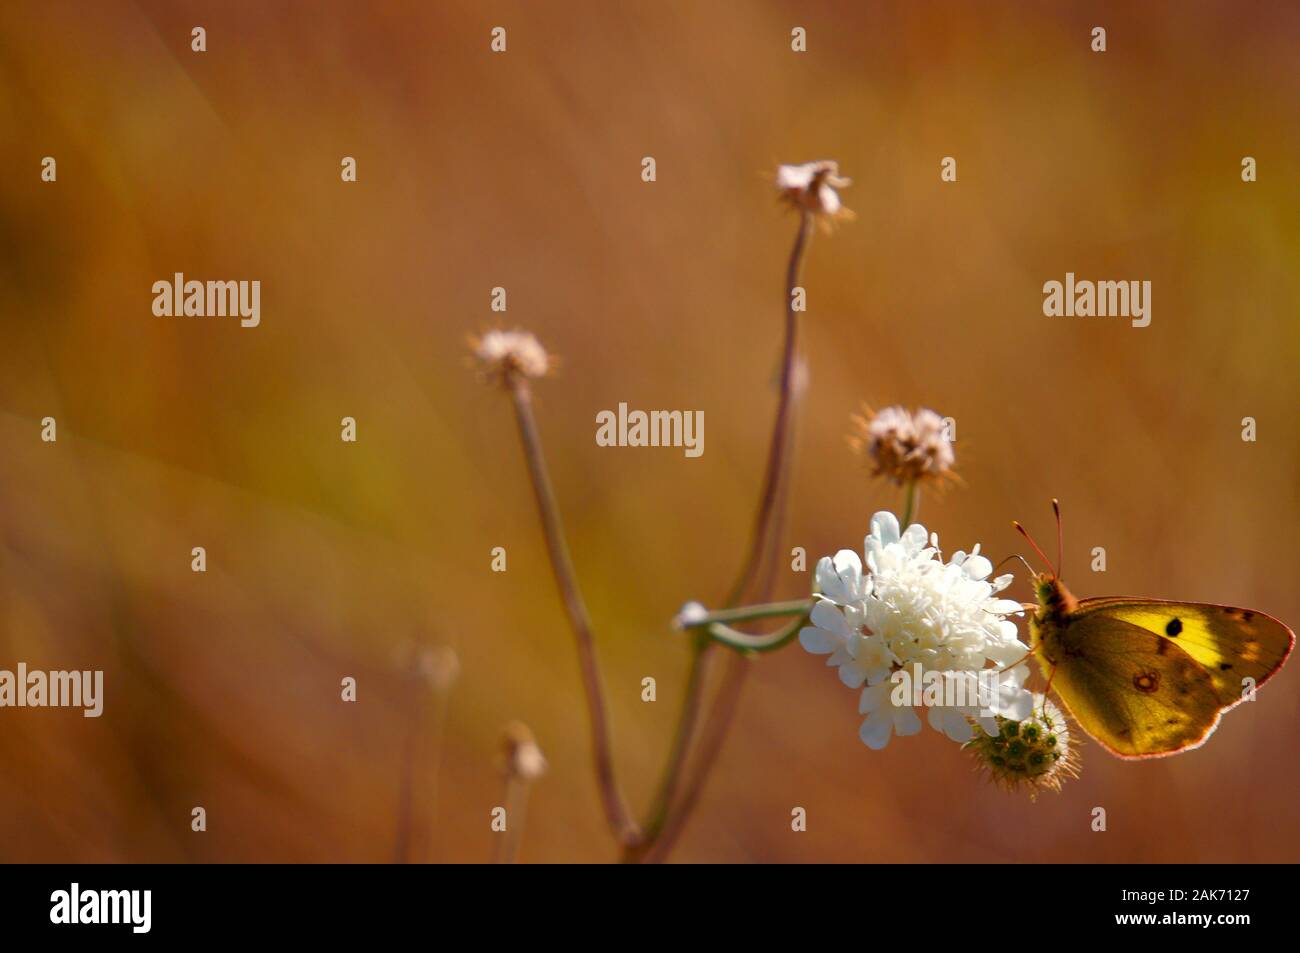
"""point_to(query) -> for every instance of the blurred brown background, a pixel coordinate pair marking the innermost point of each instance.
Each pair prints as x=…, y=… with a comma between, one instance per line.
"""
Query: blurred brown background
x=329, y=559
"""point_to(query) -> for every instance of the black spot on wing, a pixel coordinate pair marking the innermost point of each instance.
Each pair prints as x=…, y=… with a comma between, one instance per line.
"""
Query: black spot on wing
x=1173, y=628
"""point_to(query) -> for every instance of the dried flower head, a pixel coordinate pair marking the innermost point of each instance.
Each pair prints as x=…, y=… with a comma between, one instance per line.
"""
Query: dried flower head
x=503, y=355
x=1034, y=754
x=812, y=187
x=522, y=757
x=905, y=447
x=439, y=665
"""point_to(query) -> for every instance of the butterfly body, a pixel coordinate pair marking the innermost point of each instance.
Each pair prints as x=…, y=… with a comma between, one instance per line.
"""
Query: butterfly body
x=1148, y=678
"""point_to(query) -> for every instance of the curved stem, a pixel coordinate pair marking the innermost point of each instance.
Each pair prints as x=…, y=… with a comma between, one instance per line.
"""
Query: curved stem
x=746, y=613
x=616, y=812
x=745, y=642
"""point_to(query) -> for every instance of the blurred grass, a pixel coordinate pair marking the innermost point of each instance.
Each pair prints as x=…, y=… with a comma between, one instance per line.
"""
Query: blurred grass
x=328, y=559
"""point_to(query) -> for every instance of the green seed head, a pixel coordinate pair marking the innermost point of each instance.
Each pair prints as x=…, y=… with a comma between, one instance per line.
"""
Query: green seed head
x=1033, y=754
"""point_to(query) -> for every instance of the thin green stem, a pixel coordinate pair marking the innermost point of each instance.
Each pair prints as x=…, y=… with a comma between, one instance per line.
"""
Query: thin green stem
x=767, y=642
x=746, y=613
x=911, y=503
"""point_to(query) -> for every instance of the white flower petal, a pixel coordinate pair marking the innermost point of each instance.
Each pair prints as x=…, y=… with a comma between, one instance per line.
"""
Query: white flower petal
x=1016, y=705
x=977, y=567
x=824, y=615
x=1003, y=606
x=906, y=722
x=818, y=641
x=934, y=715
x=884, y=527
x=877, y=729
x=915, y=538
x=852, y=675
x=874, y=697
x=825, y=574
x=840, y=579
x=956, y=726
x=1005, y=653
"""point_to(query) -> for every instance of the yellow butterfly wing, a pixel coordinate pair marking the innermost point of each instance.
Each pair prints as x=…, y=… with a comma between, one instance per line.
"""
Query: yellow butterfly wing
x=1138, y=694
x=1231, y=644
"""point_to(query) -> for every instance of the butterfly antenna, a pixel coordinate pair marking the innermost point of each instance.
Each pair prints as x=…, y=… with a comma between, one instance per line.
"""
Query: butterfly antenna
x=1060, y=535
x=1025, y=533
x=1007, y=559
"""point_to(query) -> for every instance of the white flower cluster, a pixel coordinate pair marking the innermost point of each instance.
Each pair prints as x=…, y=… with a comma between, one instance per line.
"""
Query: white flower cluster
x=911, y=612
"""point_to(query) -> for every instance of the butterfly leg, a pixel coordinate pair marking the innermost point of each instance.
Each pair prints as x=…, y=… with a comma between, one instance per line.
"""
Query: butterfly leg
x=1020, y=661
x=1046, y=691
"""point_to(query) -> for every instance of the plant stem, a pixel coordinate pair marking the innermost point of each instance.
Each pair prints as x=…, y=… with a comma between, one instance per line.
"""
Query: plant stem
x=720, y=715
x=911, y=503
x=516, y=800
x=620, y=821
x=746, y=613
x=687, y=723
x=406, y=793
x=768, y=642
x=770, y=500
x=666, y=818
x=441, y=704
x=764, y=543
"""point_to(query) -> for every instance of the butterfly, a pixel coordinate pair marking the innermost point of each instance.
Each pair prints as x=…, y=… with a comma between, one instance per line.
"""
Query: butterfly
x=1144, y=677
